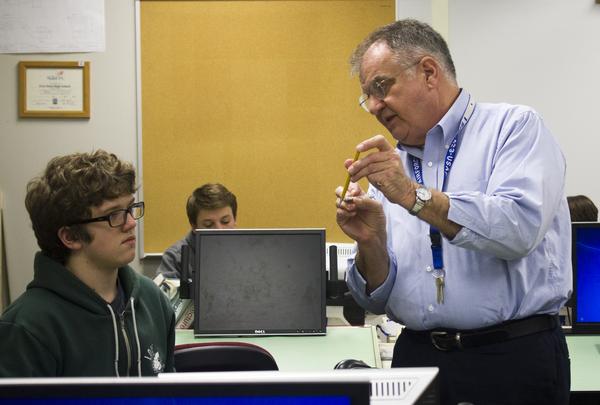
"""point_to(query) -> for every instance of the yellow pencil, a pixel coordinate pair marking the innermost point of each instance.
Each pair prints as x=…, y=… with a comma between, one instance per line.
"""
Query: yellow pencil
x=348, y=180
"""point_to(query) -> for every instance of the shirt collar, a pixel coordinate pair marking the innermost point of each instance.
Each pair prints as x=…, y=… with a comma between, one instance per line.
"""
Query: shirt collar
x=449, y=123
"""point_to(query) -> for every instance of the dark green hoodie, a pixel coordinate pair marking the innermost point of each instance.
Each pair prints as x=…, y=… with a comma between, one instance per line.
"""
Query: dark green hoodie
x=61, y=327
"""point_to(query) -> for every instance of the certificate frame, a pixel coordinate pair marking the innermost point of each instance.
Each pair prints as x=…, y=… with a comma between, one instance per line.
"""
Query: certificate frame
x=54, y=89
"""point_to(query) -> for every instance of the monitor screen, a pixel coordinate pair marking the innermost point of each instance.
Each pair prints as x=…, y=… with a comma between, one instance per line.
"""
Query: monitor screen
x=586, y=276
x=90, y=391
x=259, y=282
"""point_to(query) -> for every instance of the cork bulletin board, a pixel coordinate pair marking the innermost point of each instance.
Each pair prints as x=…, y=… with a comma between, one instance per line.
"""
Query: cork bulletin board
x=256, y=95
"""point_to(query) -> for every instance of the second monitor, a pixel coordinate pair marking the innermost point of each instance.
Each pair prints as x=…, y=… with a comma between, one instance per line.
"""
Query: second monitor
x=586, y=277
x=259, y=282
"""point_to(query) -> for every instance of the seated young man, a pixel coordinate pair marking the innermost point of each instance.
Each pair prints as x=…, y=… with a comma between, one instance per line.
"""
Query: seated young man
x=210, y=206
x=86, y=312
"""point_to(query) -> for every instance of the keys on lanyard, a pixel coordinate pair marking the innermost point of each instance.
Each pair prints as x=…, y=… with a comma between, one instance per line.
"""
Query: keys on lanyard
x=436, y=239
x=438, y=275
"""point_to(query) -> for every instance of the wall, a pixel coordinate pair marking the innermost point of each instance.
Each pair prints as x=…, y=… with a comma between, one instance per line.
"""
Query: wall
x=263, y=103
x=26, y=145
x=4, y=296
x=544, y=53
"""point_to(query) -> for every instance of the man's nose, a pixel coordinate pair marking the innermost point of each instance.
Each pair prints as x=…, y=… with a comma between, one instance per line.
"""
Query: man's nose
x=374, y=105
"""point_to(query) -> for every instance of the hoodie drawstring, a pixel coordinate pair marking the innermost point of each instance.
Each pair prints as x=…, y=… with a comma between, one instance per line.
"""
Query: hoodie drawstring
x=137, y=338
x=114, y=319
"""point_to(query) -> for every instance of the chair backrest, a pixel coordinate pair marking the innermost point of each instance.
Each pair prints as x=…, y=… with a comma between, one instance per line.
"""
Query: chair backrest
x=222, y=356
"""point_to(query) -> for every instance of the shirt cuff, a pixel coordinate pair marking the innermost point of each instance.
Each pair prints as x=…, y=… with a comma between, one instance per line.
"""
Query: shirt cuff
x=459, y=216
x=380, y=293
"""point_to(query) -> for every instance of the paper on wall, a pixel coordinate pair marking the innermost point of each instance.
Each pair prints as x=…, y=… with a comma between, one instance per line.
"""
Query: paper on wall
x=51, y=26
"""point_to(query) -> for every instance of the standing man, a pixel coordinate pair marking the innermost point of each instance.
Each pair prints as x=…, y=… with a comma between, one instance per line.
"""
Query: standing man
x=464, y=233
x=211, y=206
x=86, y=312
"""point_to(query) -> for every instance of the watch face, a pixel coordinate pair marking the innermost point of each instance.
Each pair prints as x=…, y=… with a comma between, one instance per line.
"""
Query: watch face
x=423, y=194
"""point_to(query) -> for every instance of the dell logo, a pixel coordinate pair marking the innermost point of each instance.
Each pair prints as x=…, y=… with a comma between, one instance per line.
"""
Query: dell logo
x=259, y=331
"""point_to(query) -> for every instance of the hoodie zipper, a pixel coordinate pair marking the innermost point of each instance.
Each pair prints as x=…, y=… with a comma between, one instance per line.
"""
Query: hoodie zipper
x=127, y=344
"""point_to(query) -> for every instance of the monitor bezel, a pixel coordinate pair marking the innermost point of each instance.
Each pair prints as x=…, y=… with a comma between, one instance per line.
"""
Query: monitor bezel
x=576, y=326
x=318, y=330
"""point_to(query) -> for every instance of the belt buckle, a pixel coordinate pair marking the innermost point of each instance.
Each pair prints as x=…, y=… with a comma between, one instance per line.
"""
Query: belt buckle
x=445, y=341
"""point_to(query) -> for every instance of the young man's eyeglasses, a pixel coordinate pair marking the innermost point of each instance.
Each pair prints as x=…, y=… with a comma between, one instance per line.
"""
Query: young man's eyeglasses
x=117, y=218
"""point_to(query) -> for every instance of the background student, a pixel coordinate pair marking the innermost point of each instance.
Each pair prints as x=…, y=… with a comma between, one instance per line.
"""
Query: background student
x=464, y=233
x=582, y=209
x=211, y=206
x=86, y=312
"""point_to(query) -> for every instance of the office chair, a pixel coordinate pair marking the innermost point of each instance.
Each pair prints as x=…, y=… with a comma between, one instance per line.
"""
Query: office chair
x=351, y=363
x=222, y=356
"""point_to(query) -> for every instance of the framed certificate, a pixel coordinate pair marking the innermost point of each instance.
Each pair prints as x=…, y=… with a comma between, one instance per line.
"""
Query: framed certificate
x=54, y=89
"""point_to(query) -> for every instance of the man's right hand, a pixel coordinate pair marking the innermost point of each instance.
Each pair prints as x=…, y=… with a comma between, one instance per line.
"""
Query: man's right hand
x=360, y=217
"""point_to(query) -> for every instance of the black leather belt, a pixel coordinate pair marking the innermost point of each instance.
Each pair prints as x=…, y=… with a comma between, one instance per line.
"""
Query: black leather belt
x=452, y=339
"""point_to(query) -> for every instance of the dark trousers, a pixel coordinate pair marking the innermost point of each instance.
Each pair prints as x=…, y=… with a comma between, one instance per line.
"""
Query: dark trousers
x=533, y=369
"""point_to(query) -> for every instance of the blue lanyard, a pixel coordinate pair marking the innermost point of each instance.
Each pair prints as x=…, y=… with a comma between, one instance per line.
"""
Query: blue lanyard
x=434, y=233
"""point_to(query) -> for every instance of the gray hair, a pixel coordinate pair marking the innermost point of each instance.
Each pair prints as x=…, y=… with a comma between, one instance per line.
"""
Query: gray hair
x=409, y=41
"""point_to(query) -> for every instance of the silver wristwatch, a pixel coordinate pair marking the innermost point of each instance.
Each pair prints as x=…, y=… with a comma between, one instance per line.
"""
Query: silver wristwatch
x=423, y=197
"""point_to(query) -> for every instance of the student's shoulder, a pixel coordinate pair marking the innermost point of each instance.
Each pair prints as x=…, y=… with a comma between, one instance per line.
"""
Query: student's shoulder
x=175, y=248
x=151, y=294
x=32, y=306
x=146, y=286
x=133, y=277
x=24, y=337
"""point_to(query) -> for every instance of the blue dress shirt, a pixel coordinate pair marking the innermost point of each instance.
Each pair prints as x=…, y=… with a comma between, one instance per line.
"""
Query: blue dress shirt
x=512, y=258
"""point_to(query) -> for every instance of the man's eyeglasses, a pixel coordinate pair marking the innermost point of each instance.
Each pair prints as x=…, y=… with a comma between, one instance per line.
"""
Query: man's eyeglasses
x=117, y=218
x=380, y=88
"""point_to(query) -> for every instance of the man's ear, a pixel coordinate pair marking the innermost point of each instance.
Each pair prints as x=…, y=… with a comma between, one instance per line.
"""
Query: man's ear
x=69, y=239
x=432, y=70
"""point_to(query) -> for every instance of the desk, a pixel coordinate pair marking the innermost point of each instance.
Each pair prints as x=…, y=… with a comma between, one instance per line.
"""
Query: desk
x=584, y=351
x=308, y=353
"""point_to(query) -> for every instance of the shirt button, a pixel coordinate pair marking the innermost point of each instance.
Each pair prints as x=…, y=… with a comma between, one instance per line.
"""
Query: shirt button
x=447, y=146
x=429, y=164
x=430, y=308
x=428, y=268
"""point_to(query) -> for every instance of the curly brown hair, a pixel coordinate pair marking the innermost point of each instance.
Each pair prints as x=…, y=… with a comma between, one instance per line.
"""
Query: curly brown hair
x=67, y=190
x=210, y=196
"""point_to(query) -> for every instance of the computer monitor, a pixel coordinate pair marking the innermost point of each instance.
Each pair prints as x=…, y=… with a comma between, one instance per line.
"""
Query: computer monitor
x=259, y=282
x=153, y=391
x=398, y=386
x=586, y=277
